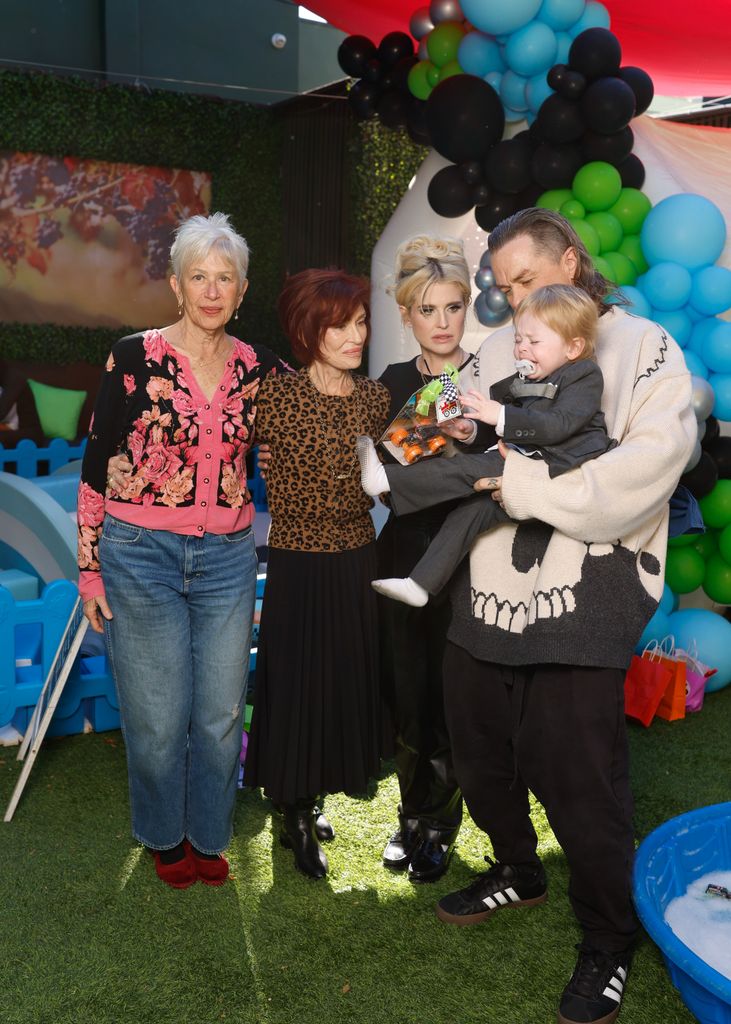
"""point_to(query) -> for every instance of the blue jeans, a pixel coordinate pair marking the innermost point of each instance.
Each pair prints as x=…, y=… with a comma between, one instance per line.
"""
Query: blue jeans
x=179, y=647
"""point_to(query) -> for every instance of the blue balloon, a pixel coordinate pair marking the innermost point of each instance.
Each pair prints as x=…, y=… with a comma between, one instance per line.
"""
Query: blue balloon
x=512, y=91
x=656, y=629
x=709, y=634
x=667, y=285
x=676, y=322
x=478, y=55
x=501, y=18
x=716, y=351
x=721, y=384
x=536, y=91
x=487, y=316
x=685, y=229
x=531, y=49
x=694, y=315
x=700, y=332
x=711, y=292
x=564, y=41
x=695, y=364
x=494, y=78
x=668, y=601
x=485, y=278
x=595, y=16
x=513, y=116
x=561, y=14
x=638, y=304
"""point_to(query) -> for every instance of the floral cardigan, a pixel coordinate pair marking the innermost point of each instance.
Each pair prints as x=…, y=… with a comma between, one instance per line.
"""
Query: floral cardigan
x=188, y=453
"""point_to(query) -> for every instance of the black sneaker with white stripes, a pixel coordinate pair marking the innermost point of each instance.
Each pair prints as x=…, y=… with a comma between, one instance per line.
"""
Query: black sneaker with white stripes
x=594, y=994
x=504, y=885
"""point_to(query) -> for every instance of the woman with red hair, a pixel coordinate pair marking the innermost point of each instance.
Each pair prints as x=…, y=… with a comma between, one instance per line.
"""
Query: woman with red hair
x=316, y=724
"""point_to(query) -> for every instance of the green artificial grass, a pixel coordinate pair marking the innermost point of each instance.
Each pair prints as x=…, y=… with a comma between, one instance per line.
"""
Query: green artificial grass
x=88, y=935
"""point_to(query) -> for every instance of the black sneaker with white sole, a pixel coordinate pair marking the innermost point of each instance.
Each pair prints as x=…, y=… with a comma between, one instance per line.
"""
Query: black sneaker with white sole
x=504, y=885
x=594, y=994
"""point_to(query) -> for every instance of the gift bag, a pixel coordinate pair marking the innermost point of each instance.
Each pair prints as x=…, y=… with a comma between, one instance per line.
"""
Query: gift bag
x=672, y=702
x=644, y=685
x=696, y=674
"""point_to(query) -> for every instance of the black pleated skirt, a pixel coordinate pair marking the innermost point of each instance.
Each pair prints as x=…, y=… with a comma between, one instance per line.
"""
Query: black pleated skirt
x=317, y=724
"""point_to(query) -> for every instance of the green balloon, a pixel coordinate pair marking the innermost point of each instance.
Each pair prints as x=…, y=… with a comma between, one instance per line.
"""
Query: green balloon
x=432, y=74
x=608, y=228
x=603, y=267
x=623, y=269
x=443, y=42
x=588, y=236
x=573, y=209
x=684, y=570
x=631, y=247
x=706, y=543
x=554, y=198
x=452, y=67
x=716, y=506
x=418, y=80
x=630, y=209
x=682, y=541
x=717, y=580
x=597, y=185
x=724, y=543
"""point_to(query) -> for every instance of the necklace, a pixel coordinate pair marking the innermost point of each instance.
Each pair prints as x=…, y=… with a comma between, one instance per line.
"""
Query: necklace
x=330, y=454
x=429, y=373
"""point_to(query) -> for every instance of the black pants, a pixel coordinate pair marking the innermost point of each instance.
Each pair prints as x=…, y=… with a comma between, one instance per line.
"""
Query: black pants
x=412, y=646
x=436, y=480
x=559, y=731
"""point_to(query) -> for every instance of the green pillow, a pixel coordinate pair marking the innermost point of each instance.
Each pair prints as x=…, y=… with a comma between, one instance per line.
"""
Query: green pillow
x=58, y=409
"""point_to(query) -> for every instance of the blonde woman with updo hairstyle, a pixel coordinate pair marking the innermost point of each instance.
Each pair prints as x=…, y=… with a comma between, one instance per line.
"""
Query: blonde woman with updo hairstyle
x=432, y=289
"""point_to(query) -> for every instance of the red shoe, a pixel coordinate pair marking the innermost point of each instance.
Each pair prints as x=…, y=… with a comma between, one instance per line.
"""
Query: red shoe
x=180, y=875
x=210, y=872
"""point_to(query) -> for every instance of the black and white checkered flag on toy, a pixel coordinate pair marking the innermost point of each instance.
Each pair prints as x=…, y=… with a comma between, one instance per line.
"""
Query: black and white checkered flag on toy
x=449, y=388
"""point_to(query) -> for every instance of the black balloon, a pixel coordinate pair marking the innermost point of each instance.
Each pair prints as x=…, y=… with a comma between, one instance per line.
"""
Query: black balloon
x=559, y=120
x=373, y=71
x=353, y=53
x=393, y=108
x=632, y=172
x=555, y=166
x=529, y=196
x=641, y=85
x=449, y=194
x=465, y=117
x=612, y=149
x=595, y=53
x=702, y=478
x=498, y=208
x=397, y=76
x=481, y=194
x=566, y=82
x=416, y=122
x=712, y=431
x=362, y=98
x=608, y=105
x=720, y=451
x=394, y=47
x=508, y=165
x=471, y=171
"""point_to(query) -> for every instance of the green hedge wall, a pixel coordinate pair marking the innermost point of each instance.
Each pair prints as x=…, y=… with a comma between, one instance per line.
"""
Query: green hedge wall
x=238, y=144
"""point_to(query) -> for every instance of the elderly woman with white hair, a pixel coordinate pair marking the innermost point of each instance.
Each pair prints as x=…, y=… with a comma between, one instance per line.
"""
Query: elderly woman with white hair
x=168, y=561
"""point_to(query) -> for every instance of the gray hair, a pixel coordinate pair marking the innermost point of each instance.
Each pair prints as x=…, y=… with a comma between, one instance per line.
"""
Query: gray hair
x=195, y=238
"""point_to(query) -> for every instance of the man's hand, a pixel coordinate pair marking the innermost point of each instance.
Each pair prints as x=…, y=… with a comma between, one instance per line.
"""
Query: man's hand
x=493, y=483
x=119, y=469
x=460, y=429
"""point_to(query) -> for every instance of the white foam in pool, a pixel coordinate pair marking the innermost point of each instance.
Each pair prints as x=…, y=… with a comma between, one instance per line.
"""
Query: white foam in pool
x=703, y=922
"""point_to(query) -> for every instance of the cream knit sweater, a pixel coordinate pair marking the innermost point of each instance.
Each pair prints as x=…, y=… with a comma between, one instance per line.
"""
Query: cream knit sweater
x=578, y=576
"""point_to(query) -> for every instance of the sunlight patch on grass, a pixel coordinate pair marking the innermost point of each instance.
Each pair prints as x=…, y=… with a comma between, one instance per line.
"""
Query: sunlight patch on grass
x=244, y=903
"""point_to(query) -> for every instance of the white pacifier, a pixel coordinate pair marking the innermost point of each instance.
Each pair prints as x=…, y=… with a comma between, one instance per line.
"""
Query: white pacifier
x=524, y=367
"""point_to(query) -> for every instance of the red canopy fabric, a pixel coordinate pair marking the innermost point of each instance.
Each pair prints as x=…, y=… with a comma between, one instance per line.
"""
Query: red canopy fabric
x=684, y=45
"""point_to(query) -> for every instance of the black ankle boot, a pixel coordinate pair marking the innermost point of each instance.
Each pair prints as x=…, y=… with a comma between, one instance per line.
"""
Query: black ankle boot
x=323, y=827
x=402, y=844
x=431, y=858
x=298, y=834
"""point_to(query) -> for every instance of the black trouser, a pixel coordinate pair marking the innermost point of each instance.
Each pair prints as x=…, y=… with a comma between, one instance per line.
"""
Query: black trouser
x=435, y=480
x=559, y=731
x=413, y=641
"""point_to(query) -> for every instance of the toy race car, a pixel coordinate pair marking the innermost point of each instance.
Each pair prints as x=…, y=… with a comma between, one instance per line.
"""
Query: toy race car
x=418, y=441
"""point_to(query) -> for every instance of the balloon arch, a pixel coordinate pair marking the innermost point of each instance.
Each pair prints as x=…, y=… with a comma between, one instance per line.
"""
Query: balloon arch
x=539, y=102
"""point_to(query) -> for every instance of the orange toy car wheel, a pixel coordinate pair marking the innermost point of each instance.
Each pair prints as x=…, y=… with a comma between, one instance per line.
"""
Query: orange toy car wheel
x=412, y=452
x=397, y=436
x=435, y=444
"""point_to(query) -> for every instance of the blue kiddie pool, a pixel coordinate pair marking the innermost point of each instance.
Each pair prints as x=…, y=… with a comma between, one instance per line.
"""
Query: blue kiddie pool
x=672, y=857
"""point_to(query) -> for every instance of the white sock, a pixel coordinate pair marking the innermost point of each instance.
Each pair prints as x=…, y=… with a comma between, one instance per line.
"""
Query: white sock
x=406, y=590
x=372, y=473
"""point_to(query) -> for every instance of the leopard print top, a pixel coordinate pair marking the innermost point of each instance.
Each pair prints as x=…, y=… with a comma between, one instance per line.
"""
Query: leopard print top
x=312, y=437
